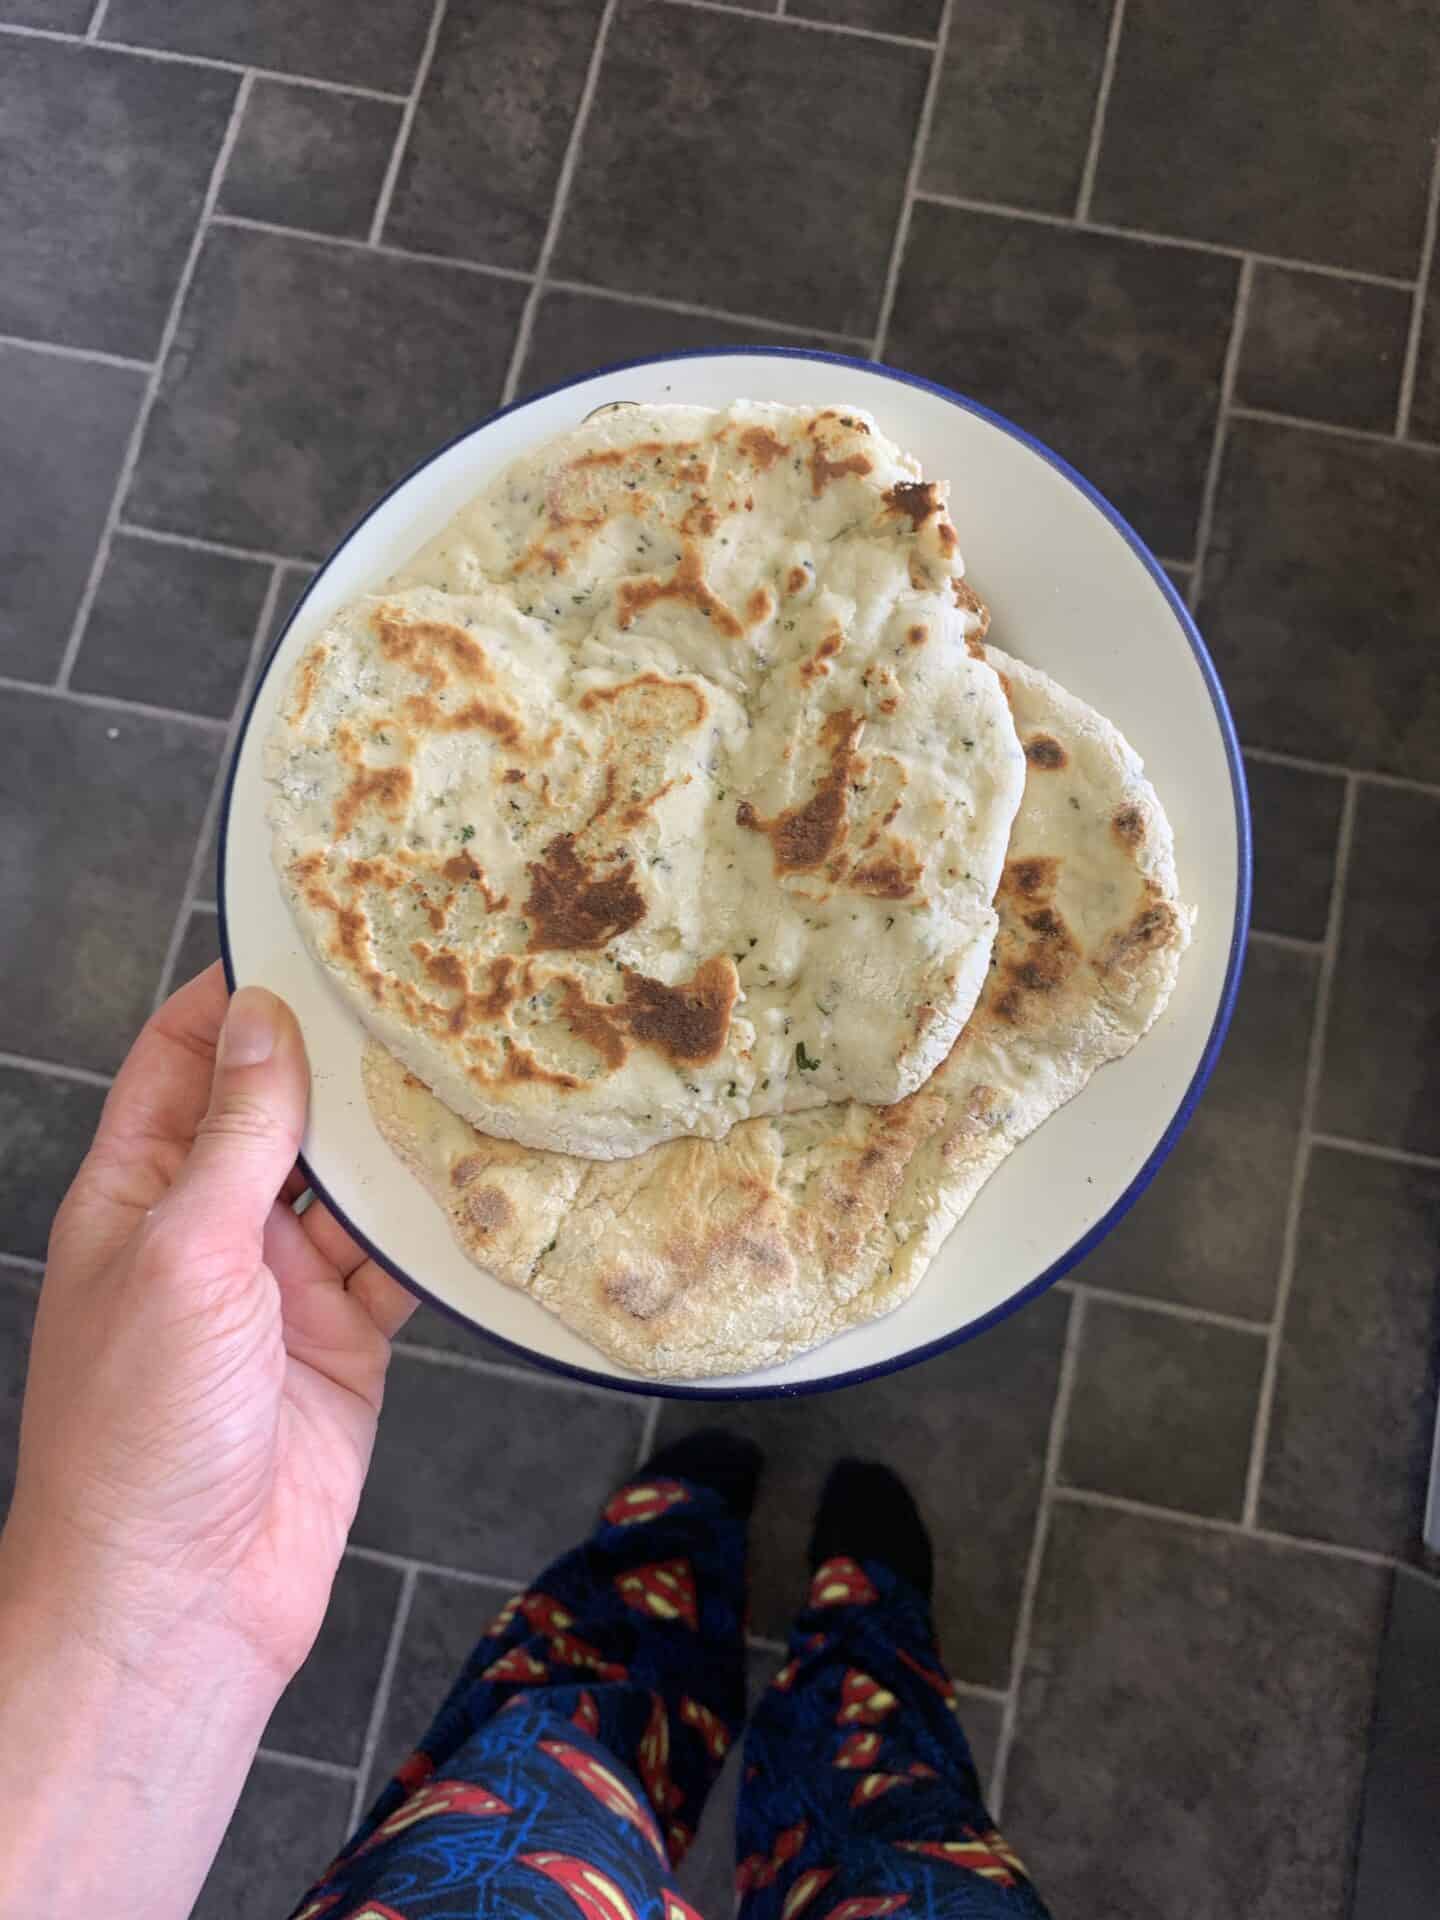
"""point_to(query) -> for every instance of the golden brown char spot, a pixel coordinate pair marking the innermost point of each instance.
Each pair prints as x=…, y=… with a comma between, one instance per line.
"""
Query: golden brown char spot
x=594, y=1023
x=915, y=499
x=1044, y=752
x=464, y=1171
x=917, y=636
x=892, y=875
x=815, y=666
x=487, y=1211
x=430, y=649
x=688, y=1022
x=444, y=968
x=919, y=572
x=308, y=679
x=803, y=837
x=823, y=469
x=1153, y=927
x=388, y=788
x=761, y=447
x=1032, y=878
x=759, y=607
x=641, y=710
x=699, y=518
x=889, y=704
x=796, y=580
x=1127, y=824
x=688, y=585
x=512, y=775
x=949, y=539
x=502, y=993
x=969, y=601
x=572, y=904
x=522, y=1066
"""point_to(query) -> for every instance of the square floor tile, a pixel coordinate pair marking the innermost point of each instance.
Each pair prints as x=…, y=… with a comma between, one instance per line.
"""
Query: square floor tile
x=445, y=1619
x=105, y=160
x=1193, y=1716
x=488, y=1474
x=1295, y=819
x=111, y=809
x=1303, y=128
x=306, y=157
x=1017, y=99
x=483, y=158
x=1163, y=1410
x=918, y=18
x=67, y=425
x=1381, y=1078
x=286, y=1830
x=17, y=1313
x=1397, y=1868
x=172, y=626
x=576, y=332
x=1208, y=1232
x=1324, y=348
x=707, y=172
x=1319, y=598
x=1109, y=350
x=325, y=1710
x=431, y=1331
x=60, y=16
x=967, y=1432
x=46, y=1126
x=199, y=946
x=307, y=378
x=367, y=43
x=1355, y=1398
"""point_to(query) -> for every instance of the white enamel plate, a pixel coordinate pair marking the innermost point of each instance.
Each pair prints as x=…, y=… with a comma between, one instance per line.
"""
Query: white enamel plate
x=1073, y=590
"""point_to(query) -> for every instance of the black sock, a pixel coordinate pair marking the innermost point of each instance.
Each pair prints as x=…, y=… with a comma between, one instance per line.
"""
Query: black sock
x=722, y=1461
x=867, y=1512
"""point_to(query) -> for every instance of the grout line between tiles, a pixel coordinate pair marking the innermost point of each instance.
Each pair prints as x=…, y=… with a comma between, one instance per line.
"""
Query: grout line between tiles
x=407, y=1563
x=1169, y=1309
x=646, y=1444
x=375, y=1724
x=1410, y=365
x=198, y=545
x=841, y=27
x=407, y=120
x=64, y=352
x=152, y=386
x=204, y=906
x=1207, y=1523
x=208, y=62
x=97, y=19
x=912, y=183
x=303, y=1763
x=1365, y=435
x=569, y=162
x=658, y=301
x=1373, y=1150
x=111, y=703
x=1020, y=1650
x=55, y=1070
x=1313, y=1066
x=195, y=872
x=1102, y=102
x=761, y=1643
x=1222, y=423
x=1007, y=210
x=24, y=1269
x=1268, y=757
x=386, y=250
x=503, y=1370
x=1287, y=942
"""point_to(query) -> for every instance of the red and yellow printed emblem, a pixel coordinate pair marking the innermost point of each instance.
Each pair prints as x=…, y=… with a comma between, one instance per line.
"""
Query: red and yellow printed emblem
x=918, y=1770
x=653, y=1760
x=646, y=1500
x=841, y=1582
x=594, y=1893
x=984, y=1853
x=870, y=1786
x=415, y=1771
x=680, y=1837
x=552, y=1623
x=372, y=1910
x=505, y=1619
x=869, y=1906
x=517, y=1668
x=586, y=1715
x=759, y=1870
x=863, y=1701
x=858, y=1750
x=676, y=1908
x=710, y=1727
x=439, y=1796
x=812, y=1882
x=608, y=1788
x=325, y=1904
x=785, y=1678
x=665, y=1590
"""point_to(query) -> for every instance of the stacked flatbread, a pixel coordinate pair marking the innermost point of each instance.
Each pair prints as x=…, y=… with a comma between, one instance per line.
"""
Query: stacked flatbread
x=722, y=909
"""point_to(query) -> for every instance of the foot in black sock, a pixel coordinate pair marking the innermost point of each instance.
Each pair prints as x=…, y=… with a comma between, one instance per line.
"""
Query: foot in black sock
x=722, y=1461
x=867, y=1512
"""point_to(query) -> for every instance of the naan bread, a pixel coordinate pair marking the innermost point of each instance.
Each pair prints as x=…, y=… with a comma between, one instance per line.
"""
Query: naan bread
x=703, y=1258
x=661, y=791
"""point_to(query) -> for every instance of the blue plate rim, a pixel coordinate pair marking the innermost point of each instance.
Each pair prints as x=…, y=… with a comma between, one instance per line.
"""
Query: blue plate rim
x=1185, y=1108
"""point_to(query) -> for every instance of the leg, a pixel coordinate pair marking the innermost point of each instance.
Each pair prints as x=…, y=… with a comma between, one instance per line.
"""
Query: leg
x=579, y=1741
x=859, y=1796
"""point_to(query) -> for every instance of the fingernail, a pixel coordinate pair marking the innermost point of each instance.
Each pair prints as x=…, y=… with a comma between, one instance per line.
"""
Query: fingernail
x=251, y=1028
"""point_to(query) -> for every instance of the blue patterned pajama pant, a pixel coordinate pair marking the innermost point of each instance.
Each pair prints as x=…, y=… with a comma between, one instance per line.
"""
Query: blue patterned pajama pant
x=565, y=1773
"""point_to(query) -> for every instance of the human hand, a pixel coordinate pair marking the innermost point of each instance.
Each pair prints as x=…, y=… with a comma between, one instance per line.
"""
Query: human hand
x=207, y=1367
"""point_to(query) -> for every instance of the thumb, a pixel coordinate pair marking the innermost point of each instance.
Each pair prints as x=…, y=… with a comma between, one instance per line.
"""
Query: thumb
x=247, y=1142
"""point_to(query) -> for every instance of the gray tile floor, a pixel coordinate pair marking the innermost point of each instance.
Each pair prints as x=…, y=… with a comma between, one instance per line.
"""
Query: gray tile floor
x=259, y=257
